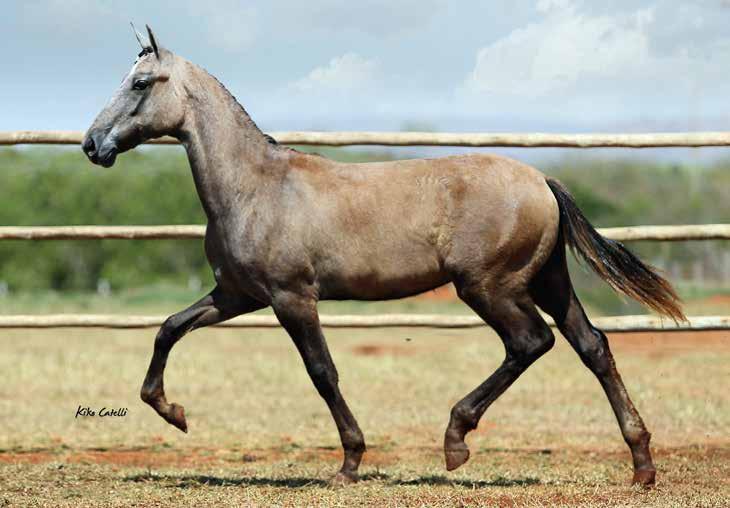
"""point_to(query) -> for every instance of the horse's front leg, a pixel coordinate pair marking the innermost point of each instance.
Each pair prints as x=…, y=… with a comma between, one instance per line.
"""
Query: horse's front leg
x=209, y=310
x=298, y=315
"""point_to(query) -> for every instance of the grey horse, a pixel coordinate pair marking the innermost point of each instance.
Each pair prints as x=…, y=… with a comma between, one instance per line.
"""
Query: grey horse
x=287, y=229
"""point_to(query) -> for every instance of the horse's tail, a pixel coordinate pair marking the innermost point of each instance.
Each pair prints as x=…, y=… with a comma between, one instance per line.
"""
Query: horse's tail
x=613, y=262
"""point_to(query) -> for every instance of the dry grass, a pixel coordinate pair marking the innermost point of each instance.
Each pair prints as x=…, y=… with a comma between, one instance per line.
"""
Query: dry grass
x=260, y=435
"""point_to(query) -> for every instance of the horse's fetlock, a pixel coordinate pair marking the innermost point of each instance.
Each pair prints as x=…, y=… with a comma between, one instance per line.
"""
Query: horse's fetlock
x=151, y=391
x=163, y=340
x=463, y=418
x=148, y=395
x=637, y=437
x=353, y=441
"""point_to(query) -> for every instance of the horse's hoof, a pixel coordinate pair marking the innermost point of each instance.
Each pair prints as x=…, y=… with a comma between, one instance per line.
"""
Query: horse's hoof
x=456, y=455
x=644, y=477
x=342, y=478
x=176, y=417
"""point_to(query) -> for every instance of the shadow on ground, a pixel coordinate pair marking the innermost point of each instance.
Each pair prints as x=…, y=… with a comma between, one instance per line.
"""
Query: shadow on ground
x=191, y=481
x=499, y=481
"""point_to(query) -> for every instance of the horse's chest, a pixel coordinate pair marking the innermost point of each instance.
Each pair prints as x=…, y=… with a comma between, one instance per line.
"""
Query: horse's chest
x=235, y=259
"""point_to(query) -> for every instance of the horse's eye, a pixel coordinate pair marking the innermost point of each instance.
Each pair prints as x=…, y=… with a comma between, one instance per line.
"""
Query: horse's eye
x=140, y=84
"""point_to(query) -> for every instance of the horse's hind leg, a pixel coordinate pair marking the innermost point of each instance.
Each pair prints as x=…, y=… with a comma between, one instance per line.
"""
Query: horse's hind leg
x=526, y=337
x=209, y=310
x=553, y=292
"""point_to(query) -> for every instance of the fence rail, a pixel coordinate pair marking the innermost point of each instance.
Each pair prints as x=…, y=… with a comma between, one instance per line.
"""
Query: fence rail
x=624, y=234
x=101, y=232
x=527, y=140
x=497, y=139
x=614, y=324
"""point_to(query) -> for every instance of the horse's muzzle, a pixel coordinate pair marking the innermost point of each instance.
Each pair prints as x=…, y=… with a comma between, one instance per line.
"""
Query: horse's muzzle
x=100, y=149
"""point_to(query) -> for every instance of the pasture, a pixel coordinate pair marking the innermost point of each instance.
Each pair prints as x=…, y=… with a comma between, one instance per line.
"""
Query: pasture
x=260, y=435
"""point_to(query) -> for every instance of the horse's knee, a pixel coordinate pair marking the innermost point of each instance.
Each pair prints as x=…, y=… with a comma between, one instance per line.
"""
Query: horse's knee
x=294, y=308
x=167, y=335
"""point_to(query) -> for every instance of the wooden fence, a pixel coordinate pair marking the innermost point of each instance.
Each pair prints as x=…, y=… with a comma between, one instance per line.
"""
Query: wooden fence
x=609, y=324
x=534, y=140
x=624, y=234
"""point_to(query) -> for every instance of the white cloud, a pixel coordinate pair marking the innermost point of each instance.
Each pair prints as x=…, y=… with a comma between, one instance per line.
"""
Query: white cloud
x=347, y=72
x=565, y=47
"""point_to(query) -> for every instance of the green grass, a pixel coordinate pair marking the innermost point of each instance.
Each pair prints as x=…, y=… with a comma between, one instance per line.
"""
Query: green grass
x=169, y=299
x=597, y=297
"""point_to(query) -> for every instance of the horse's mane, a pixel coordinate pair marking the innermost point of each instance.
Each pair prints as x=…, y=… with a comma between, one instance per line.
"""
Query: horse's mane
x=246, y=116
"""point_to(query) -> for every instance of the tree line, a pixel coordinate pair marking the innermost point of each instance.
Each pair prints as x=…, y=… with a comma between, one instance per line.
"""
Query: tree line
x=153, y=185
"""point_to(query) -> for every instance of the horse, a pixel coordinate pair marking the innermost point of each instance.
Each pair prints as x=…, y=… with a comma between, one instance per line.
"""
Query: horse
x=287, y=229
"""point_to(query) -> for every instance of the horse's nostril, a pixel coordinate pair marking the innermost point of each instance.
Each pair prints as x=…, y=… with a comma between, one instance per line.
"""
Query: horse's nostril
x=89, y=146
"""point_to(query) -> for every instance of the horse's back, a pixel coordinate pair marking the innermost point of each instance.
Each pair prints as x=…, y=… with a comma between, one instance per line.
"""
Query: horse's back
x=394, y=228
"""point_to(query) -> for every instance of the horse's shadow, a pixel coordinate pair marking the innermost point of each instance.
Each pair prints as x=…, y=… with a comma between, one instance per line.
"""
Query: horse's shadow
x=499, y=481
x=191, y=481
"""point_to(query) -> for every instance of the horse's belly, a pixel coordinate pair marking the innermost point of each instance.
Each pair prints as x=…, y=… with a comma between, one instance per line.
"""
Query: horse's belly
x=389, y=279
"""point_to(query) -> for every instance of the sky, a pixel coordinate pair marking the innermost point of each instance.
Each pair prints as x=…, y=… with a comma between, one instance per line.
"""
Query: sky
x=501, y=65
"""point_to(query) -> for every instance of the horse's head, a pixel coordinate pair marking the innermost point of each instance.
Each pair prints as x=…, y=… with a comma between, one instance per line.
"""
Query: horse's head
x=148, y=104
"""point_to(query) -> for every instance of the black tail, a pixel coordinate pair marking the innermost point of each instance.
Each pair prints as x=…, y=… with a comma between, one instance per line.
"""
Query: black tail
x=613, y=262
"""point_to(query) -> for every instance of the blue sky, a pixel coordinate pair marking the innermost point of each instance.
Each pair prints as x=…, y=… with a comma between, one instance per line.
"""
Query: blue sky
x=522, y=65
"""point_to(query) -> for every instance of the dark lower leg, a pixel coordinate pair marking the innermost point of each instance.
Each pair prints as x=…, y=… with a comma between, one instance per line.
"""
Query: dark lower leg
x=325, y=378
x=592, y=347
x=632, y=426
x=351, y=437
x=526, y=337
x=323, y=373
x=553, y=291
x=153, y=391
x=207, y=311
x=465, y=415
x=299, y=317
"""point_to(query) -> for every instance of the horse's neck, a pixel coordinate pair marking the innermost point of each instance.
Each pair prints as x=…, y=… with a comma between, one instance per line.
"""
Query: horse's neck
x=226, y=150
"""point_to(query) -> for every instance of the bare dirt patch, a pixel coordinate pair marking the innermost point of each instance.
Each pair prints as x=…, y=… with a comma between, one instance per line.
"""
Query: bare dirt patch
x=383, y=350
x=445, y=293
x=671, y=342
x=716, y=301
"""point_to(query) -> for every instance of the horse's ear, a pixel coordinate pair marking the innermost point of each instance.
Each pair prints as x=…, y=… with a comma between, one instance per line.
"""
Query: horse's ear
x=153, y=42
x=139, y=37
